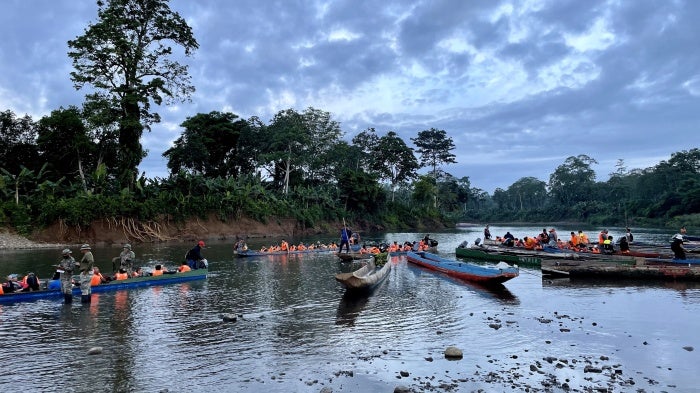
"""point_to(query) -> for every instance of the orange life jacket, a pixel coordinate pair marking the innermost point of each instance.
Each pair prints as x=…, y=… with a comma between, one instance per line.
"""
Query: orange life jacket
x=157, y=272
x=183, y=268
x=96, y=279
x=120, y=276
x=284, y=246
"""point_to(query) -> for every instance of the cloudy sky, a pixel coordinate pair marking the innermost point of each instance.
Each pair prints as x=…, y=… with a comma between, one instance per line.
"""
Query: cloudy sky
x=518, y=85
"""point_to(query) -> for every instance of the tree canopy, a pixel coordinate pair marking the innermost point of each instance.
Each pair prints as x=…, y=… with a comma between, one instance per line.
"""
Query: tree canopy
x=126, y=57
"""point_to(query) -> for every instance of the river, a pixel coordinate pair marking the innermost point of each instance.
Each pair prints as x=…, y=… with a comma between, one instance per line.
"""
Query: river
x=298, y=332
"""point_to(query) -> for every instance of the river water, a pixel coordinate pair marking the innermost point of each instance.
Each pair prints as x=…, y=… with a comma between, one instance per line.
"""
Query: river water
x=298, y=332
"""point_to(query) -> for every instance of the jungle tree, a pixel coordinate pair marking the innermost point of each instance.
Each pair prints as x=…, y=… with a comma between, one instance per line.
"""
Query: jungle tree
x=393, y=161
x=126, y=56
x=208, y=145
x=65, y=145
x=434, y=148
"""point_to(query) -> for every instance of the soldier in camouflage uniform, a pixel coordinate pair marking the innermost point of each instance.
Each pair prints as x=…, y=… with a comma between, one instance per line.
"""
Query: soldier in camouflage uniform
x=126, y=260
x=86, y=272
x=65, y=267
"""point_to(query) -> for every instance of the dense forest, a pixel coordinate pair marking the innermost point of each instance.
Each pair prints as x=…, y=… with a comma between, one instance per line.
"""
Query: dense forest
x=80, y=164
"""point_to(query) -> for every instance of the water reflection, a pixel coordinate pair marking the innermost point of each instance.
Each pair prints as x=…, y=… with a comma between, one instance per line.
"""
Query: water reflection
x=351, y=304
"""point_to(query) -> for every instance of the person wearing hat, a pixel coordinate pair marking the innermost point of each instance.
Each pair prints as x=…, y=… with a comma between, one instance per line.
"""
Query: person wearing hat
x=65, y=268
x=194, y=256
x=86, y=271
x=126, y=260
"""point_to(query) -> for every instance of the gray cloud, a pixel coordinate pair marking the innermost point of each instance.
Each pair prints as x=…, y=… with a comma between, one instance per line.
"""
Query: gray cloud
x=518, y=85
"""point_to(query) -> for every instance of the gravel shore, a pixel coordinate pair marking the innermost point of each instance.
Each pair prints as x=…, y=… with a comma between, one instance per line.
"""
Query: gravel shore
x=10, y=241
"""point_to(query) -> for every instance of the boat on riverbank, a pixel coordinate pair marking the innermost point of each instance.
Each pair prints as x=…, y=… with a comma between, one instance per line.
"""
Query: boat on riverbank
x=486, y=275
x=131, y=283
x=365, y=278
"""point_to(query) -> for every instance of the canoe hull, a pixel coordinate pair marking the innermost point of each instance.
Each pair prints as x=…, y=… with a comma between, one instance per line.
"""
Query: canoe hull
x=365, y=278
x=462, y=270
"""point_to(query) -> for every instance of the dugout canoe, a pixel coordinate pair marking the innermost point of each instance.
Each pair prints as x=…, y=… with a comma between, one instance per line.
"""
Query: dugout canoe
x=131, y=283
x=485, y=275
x=365, y=278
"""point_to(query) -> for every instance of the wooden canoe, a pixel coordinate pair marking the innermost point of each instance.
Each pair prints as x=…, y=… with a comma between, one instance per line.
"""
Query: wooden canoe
x=485, y=275
x=138, y=282
x=365, y=278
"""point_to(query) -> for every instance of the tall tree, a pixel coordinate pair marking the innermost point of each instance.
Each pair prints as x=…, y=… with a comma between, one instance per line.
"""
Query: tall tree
x=209, y=145
x=393, y=160
x=17, y=143
x=64, y=144
x=127, y=58
x=573, y=181
x=434, y=147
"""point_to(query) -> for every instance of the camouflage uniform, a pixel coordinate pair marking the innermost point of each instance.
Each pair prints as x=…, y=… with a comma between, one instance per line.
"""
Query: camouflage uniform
x=66, y=265
x=86, y=272
x=127, y=259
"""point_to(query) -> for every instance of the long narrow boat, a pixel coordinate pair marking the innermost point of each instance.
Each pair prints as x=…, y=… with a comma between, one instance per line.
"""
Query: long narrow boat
x=486, y=275
x=365, y=278
x=674, y=261
x=486, y=254
x=253, y=253
x=137, y=282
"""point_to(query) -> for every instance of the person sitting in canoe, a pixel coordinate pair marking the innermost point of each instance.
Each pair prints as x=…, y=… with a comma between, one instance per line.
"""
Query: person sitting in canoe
x=159, y=270
x=97, y=277
x=530, y=243
x=184, y=267
x=677, y=244
x=624, y=245
x=122, y=274
x=508, y=240
x=608, y=247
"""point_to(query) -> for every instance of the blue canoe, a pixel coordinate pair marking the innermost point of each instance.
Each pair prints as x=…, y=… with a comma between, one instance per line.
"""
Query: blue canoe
x=674, y=261
x=137, y=282
x=485, y=275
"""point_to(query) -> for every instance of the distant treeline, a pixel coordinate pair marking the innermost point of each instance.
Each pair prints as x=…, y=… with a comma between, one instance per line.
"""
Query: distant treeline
x=58, y=169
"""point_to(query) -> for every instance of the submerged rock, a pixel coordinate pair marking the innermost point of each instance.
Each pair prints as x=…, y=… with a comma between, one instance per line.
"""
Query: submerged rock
x=94, y=351
x=229, y=317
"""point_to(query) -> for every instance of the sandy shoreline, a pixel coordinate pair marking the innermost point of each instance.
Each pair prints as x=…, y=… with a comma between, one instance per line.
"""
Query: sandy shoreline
x=10, y=241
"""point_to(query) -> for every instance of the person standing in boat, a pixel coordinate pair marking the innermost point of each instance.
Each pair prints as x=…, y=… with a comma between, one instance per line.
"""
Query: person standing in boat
x=677, y=244
x=125, y=258
x=345, y=235
x=86, y=271
x=65, y=268
x=487, y=232
x=194, y=256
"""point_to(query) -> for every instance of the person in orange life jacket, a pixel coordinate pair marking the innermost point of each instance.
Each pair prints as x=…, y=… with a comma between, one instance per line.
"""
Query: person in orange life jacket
x=284, y=246
x=184, y=268
x=97, y=277
x=30, y=282
x=194, y=256
x=159, y=270
x=138, y=272
x=121, y=274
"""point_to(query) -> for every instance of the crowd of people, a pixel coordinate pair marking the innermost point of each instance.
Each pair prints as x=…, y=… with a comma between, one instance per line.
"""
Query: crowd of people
x=577, y=241
x=89, y=275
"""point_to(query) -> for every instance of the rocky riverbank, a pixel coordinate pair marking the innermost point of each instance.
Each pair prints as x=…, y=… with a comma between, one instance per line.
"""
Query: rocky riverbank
x=11, y=241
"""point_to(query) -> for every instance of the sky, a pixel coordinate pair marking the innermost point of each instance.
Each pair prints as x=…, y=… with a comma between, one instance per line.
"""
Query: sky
x=519, y=86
